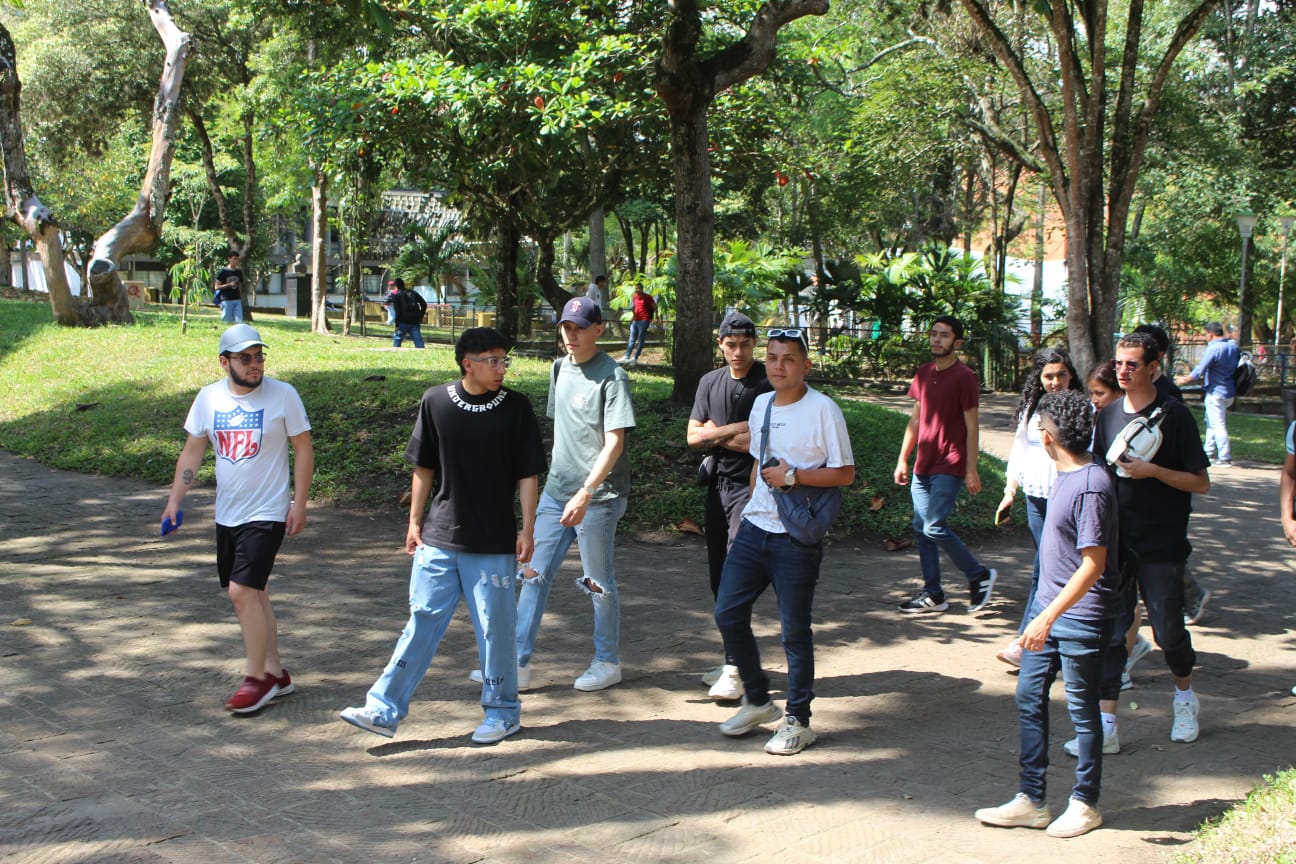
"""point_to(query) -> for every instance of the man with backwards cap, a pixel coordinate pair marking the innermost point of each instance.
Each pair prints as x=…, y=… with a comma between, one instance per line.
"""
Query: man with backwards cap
x=585, y=493
x=251, y=421
x=719, y=423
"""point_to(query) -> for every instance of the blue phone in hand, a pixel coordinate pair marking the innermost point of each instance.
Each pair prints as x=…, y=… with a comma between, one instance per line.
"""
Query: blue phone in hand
x=168, y=526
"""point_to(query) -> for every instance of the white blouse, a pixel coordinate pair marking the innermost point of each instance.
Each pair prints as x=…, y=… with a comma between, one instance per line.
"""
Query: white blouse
x=1028, y=462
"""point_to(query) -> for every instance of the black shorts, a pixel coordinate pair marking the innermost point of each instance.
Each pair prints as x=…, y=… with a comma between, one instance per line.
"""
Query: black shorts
x=246, y=553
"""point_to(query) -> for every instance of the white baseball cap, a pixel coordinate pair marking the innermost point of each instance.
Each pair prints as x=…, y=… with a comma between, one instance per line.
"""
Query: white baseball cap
x=238, y=338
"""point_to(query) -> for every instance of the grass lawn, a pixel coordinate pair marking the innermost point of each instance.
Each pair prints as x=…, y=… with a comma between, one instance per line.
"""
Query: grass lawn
x=362, y=397
x=1260, y=829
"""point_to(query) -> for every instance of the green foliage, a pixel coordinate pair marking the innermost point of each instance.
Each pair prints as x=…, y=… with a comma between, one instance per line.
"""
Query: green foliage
x=144, y=378
x=1260, y=828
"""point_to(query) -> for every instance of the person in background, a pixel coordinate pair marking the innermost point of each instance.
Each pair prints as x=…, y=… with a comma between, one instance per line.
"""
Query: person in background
x=642, y=310
x=943, y=428
x=410, y=309
x=597, y=290
x=718, y=422
x=229, y=290
x=1216, y=369
x=389, y=302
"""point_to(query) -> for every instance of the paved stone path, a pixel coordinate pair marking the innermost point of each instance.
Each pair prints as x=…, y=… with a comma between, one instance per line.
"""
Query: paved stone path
x=119, y=650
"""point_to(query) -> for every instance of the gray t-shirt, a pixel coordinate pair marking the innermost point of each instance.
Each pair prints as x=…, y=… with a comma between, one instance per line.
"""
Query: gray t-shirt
x=1082, y=514
x=585, y=401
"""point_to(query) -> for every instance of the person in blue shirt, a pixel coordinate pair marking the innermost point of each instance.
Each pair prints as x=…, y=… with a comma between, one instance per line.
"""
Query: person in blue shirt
x=1216, y=369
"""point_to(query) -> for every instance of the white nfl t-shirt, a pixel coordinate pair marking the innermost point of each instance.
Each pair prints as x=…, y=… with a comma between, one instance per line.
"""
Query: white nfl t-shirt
x=810, y=433
x=250, y=436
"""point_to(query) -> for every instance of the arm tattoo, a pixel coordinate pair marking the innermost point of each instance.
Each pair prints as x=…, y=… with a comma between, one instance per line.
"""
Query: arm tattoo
x=187, y=477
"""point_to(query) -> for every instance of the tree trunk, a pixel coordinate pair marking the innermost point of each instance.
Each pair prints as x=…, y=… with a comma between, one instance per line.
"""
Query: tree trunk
x=627, y=234
x=142, y=227
x=694, y=260
x=6, y=263
x=319, y=254
x=549, y=285
x=506, y=279
x=598, y=248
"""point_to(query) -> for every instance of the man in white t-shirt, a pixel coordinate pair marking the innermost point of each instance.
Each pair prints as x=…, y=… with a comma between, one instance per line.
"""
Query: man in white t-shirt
x=597, y=290
x=250, y=420
x=808, y=445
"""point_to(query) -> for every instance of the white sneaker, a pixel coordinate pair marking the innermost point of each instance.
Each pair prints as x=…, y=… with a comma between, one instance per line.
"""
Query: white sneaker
x=1020, y=812
x=599, y=676
x=1010, y=653
x=494, y=731
x=369, y=719
x=1111, y=744
x=1185, y=727
x=749, y=717
x=709, y=678
x=728, y=686
x=1079, y=818
x=1194, y=613
x=791, y=738
x=524, y=678
x=1127, y=683
x=1141, y=649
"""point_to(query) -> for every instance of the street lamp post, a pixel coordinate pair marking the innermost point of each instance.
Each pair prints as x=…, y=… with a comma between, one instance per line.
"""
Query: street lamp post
x=1246, y=222
x=1286, y=221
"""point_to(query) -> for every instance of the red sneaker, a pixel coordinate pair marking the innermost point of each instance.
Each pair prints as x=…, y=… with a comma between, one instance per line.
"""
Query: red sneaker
x=253, y=694
x=285, y=684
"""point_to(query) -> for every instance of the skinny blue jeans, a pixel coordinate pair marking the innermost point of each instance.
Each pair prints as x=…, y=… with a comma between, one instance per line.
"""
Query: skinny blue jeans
x=756, y=560
x=1217, y=443
x=595, y=537
x=635, y=344
x=438, y=578
x=1075, y=648
x=933, y=502
x=1036, y=510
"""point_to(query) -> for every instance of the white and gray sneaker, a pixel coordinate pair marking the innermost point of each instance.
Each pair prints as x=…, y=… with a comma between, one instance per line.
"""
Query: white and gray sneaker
x=1079, y=818
x=599, y=676
x=728, y=686
x=712, y=676
x=750, y=717
x=370, y=720
x=1020, y=812
x=494, y=731
x=791, y=738
x=1111, y=744
x=1185, y=727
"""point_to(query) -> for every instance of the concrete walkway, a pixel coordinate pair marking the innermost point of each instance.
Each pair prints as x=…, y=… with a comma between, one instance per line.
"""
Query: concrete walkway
x=119, y=651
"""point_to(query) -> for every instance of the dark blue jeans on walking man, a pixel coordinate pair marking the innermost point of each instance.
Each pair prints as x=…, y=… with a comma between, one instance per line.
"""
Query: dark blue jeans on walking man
x=933, y=501
x=758, y=559
x=1075, y=648
x=412, y=330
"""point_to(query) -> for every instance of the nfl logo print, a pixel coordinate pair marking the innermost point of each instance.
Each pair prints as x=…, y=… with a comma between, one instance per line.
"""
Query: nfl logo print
x=238, y=434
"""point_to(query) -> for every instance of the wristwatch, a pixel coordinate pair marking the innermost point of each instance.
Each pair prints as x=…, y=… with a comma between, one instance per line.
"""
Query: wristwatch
x=789, y=478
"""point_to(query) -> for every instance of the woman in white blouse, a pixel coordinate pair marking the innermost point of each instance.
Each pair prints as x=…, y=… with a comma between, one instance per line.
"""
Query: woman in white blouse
x=1029, y=466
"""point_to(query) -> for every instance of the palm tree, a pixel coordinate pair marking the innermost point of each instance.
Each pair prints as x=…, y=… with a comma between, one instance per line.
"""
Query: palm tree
x=428, y=253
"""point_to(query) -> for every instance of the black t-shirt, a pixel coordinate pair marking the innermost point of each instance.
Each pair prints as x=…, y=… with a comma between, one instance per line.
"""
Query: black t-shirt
x=723, y=400
x=1154, y=516
x=1167, y=388
x=232, y=291
x=479, y=447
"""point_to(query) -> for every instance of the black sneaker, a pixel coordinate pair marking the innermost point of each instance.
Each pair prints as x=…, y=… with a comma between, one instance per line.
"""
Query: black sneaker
x=925, y=602
x=981, y=590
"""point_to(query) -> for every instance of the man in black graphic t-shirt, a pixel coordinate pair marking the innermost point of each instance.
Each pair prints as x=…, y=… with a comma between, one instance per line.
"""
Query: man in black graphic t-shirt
x=474, y=444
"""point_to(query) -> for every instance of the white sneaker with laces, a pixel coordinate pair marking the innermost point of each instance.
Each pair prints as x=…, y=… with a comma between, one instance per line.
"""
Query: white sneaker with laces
x=1141, y=649
x=750, y=717
x=1111, y=744
x=524, y=678
x=369, y=719
x=1079, y=818
x=599, y=676
x=1185, y=728
x=728, y=686
x=1020, y=812
x=791, y=738
x=1193, y=614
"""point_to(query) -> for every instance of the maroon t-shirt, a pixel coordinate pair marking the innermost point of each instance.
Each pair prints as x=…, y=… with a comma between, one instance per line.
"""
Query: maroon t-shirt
x=942, y=397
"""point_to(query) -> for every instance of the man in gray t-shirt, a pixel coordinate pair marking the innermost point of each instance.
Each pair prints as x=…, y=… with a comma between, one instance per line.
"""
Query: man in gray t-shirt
x=585, y=494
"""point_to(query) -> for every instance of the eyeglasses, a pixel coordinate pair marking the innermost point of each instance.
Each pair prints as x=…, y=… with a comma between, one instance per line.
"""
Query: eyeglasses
x=492, y=361
x=1127, y=364
x=248, y=359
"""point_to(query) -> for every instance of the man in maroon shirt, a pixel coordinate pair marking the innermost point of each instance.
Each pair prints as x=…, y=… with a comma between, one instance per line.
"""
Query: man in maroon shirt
x=943, y=425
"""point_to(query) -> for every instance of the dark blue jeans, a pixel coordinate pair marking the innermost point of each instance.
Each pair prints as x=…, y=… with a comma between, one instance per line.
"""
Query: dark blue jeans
x=758, y=559
x=1036, y=509
x=410, y=330
x=1076, y=649
x=934, y=496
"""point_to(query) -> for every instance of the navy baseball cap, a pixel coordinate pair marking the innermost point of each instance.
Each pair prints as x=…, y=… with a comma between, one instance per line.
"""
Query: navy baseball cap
x=581, y=311
x=737, y=324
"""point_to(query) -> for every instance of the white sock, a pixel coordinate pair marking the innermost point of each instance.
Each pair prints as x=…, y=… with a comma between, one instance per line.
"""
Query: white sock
x=1108, y=723
x=1183, y=695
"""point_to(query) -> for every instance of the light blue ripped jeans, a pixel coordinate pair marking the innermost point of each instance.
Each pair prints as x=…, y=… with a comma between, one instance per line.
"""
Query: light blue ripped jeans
x=595, y=537
x=438, y=578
